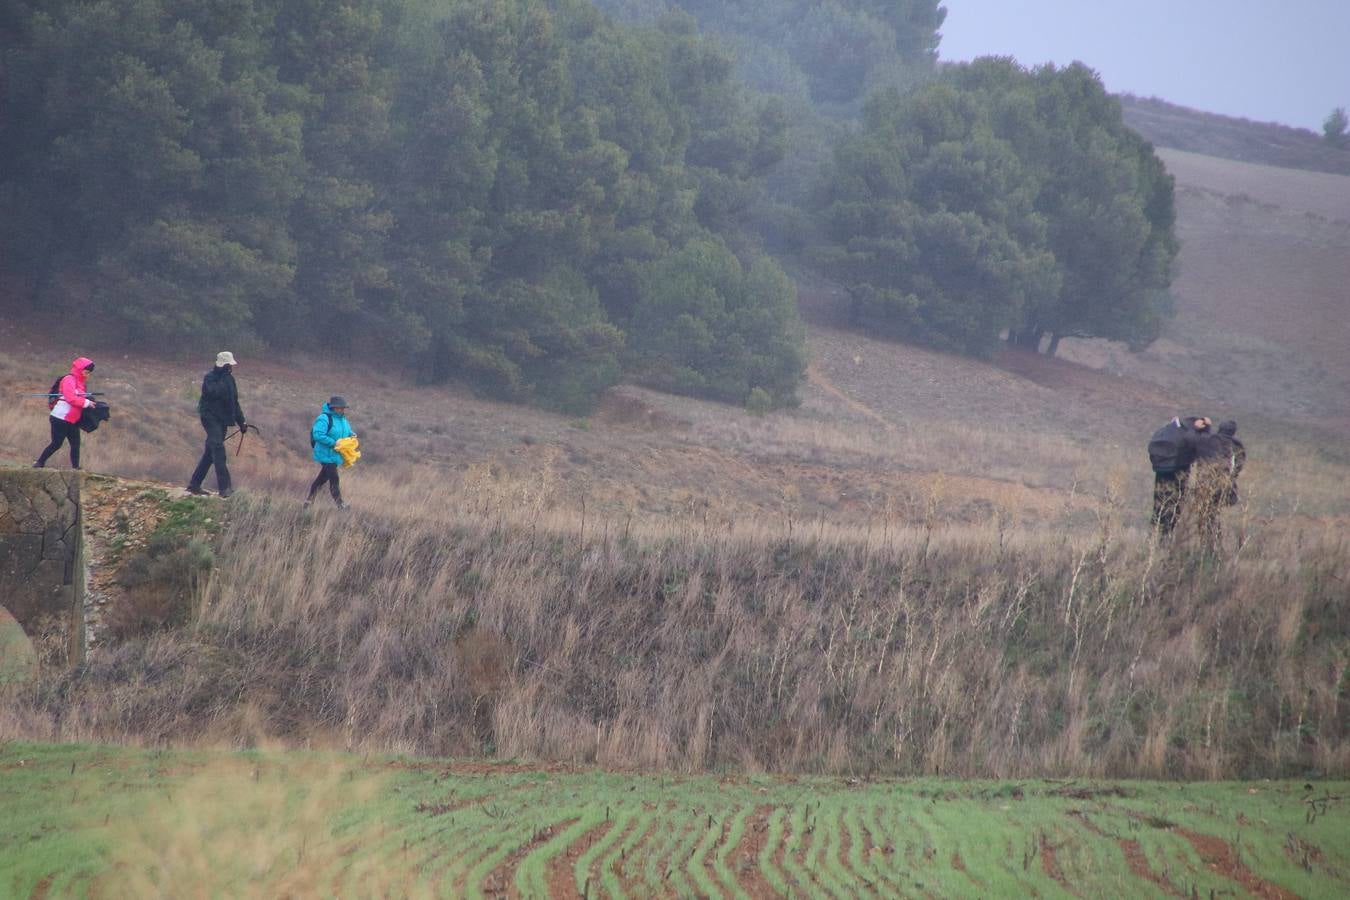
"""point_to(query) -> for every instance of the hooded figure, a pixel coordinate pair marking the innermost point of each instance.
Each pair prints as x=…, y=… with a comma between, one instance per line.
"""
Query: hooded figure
x=330, y=427
x=71, y=401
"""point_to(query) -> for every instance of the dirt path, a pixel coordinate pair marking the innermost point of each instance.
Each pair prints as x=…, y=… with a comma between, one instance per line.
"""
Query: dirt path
x=819, y=379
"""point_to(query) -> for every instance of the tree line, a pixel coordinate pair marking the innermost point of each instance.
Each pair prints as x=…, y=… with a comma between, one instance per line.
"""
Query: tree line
x=540, y=199
x=497, y=190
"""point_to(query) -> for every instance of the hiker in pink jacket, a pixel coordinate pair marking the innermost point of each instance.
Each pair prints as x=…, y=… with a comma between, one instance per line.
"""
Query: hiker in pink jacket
x=69, y=401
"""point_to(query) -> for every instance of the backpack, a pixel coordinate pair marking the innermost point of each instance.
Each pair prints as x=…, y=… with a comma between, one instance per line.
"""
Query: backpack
x=329, y=431
x=1169, y=450
x=54, y=394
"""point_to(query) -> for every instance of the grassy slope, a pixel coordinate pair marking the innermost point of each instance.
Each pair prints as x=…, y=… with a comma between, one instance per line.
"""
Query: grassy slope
x=1262, y=335
x=110, y=822
x=1169, y=125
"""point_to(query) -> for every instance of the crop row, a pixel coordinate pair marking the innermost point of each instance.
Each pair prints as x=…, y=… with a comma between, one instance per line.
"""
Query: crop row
x=122, y=822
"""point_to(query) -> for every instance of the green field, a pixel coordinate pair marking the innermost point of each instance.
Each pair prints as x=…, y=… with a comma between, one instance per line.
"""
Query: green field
x=111, y=822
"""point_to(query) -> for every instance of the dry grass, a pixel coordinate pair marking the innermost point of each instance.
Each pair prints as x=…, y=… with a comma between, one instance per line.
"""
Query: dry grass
x=869, y=583
x=480, y=618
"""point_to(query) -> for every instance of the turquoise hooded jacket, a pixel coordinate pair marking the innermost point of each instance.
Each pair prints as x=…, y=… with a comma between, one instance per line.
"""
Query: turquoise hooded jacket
x=325, y=437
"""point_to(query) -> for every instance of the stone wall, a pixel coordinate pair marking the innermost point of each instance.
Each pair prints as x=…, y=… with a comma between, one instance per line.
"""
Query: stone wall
x=42, y=559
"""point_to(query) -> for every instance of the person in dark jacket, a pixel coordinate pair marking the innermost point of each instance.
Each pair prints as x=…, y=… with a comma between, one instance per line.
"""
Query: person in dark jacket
x=330, y=427
x=1169, y=484
x=218, y=409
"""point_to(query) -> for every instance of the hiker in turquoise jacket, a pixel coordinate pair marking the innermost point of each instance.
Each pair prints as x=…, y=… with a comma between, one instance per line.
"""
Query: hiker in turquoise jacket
x=330, y=426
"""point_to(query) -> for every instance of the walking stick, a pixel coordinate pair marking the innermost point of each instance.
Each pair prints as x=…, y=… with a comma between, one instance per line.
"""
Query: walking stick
x=241, y=432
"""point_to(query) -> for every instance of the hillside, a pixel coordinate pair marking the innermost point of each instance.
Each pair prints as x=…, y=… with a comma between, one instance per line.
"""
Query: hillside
x=1263, y=307
x=1182, y=128
x=554, y=587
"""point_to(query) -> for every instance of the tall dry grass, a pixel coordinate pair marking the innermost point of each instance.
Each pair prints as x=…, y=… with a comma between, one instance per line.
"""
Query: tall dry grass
x=502, y=610
x=481, y=618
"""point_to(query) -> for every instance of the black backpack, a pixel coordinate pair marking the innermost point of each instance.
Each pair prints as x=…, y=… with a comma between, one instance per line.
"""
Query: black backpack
x=93, y=416
x=54, y=394
x=1170, y=449
x=329, y=431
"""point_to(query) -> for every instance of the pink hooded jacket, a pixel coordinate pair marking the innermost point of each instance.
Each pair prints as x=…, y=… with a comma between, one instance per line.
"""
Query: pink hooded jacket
x=72, y=400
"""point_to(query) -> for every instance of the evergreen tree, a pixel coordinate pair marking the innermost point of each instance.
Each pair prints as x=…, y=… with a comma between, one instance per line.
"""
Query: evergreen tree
x=1333, y=128
x=479, y=187
x=1001, y=200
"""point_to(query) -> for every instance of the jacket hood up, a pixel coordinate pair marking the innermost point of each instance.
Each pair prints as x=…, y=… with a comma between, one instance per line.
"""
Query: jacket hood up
x=79, y=365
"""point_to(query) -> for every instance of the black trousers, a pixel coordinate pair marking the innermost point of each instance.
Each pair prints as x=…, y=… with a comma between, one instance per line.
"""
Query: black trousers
x=62, y=431
x=328, y=473
x=212, y=455
x=1168, y=492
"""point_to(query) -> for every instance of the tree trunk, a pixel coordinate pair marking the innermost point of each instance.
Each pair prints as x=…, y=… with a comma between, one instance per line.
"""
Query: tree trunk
x=1054, y=345
x=855, y=310
x=1028, y=337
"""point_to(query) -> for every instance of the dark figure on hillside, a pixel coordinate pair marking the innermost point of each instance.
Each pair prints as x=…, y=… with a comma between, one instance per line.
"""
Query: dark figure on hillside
x=68, y=401
x=1211, y=480
x=1172, y=451
x=218, y=409
x=1238, y=453
x=330, y=428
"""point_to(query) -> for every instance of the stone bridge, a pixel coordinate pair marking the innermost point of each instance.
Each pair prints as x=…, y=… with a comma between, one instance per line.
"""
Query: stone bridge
x=42, y=570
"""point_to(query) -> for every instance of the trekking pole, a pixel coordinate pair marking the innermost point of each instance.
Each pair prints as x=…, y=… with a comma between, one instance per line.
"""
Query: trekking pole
x=58, y=396
x=241, y=433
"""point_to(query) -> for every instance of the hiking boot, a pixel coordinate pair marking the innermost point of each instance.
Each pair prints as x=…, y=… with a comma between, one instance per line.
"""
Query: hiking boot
x=197, y=491
x=342, y=504
x=226, y=492
x=306, y=504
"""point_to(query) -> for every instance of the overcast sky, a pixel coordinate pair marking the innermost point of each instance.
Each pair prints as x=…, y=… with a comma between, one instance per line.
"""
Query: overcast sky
x=1270, y=60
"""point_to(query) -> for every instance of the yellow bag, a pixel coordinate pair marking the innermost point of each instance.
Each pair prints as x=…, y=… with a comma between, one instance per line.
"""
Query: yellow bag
x=349, y=448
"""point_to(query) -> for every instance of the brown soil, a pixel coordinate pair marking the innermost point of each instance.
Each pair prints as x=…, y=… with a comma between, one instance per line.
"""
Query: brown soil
x=672, y=862
x=633, y=885
x=959, y=865
x=450, y=805
x=491, y=769
x=561, y=879
x=872, y=849
x=743, y=860
x=710, y=859
x=1139, y=867
x=780, y=851
x=40, y=889
x=1132, y=850
x=1050, y=863
x=846, y=861
x=501, y=881
x=1217, y=854
x=803, y=854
